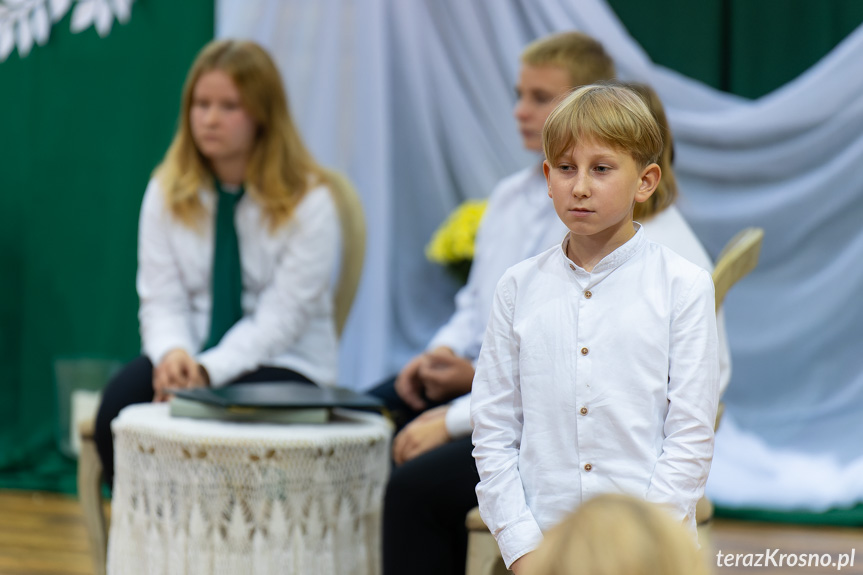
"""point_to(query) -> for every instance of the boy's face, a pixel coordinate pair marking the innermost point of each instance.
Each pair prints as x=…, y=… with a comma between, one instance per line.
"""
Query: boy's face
x=594, y=187
x=539, y=90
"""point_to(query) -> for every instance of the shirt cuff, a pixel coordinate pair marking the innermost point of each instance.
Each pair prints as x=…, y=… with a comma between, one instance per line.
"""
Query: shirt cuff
x=157, y=350
x=458, y=418
x=517, y=540
x=219, y=367
x=455, y=346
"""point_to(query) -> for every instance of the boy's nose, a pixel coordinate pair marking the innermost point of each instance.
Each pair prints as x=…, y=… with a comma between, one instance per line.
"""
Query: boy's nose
x=520, y=110
x=580, y=189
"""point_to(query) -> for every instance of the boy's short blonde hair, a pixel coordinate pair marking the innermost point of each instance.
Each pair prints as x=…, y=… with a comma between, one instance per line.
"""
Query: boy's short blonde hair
x=615, y=534
x=580, y=55
x=611, y=114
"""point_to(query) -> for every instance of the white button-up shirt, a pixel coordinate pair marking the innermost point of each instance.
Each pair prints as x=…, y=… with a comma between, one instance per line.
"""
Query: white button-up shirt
x=593, y=382
x=287, y=293
x=520, y=222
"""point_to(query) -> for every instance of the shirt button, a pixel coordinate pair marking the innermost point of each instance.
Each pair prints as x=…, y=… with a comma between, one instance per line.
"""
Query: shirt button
x=584, y=351
x=588, y=466
x=572, y=267
x=588, y=295
x=583, y=411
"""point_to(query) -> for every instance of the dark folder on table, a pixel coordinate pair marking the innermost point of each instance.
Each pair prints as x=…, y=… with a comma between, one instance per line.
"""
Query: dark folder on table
x=281, y=402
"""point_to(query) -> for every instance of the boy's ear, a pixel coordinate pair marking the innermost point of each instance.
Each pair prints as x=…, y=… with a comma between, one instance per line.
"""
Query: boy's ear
x=546, y=169
x=650, y=177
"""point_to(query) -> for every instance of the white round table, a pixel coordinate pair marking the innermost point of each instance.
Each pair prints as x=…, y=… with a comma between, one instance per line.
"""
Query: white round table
x=210, y=497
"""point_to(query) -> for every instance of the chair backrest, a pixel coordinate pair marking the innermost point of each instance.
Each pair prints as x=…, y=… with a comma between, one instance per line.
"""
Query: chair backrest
x=353, y=226
x=737, y=258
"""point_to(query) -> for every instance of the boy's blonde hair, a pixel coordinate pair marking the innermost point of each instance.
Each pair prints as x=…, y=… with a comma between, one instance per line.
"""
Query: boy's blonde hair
x=280, y=169
x=611, y=114
x=666, y=192
x=616, y=534
x=580, y=55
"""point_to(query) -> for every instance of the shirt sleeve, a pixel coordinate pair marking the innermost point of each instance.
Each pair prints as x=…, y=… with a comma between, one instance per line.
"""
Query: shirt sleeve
x=303, y=273
x=693, y=394
x=164, y=311
x=458, y=417
x=459, y=333
x=496, y=410
x=463, y=332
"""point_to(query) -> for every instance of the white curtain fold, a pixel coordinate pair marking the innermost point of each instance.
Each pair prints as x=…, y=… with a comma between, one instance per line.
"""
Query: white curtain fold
x=412, y=100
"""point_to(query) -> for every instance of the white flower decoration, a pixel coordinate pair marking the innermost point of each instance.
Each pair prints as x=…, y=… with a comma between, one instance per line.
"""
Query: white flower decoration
x=23, y=22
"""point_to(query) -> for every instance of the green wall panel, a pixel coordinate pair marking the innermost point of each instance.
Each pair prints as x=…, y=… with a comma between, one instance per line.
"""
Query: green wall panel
x=746, y=47
x=774, y=41
x=683, y=35
x=84, y=120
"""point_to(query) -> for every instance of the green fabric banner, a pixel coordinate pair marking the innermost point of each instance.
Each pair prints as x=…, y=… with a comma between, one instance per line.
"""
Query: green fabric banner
x=84, y=120
x=740, y=46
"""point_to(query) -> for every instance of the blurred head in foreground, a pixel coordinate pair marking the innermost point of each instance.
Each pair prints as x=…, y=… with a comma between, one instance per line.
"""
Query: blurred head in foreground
x=618, y=535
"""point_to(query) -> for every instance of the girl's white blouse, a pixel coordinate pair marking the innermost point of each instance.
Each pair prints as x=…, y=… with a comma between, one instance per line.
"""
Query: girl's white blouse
x=287, y=287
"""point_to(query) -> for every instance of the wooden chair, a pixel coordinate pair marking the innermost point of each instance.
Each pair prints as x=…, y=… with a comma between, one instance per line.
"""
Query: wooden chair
x=736, y=260
x=353, y=226
x=353, y=246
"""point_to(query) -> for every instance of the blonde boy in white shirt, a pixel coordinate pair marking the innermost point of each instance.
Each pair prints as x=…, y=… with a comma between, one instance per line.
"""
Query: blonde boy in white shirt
x=599, y=369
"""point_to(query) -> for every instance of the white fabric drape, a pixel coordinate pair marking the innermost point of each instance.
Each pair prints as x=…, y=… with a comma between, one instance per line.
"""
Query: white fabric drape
x=412, y=100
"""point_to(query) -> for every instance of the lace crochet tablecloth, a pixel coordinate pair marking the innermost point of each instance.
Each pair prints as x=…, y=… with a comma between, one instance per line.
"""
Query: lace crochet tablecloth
x=210, y=497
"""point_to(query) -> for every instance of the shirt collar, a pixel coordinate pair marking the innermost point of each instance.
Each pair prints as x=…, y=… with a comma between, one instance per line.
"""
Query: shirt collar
x=610, y=262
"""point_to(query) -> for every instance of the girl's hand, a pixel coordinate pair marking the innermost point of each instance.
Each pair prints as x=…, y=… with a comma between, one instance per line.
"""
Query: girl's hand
x=177, y=370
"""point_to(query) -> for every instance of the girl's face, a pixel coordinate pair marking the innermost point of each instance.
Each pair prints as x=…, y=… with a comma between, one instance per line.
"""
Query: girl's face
x=222, y=129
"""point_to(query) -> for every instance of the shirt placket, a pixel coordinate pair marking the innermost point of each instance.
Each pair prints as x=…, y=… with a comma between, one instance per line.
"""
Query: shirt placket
x=587, y=316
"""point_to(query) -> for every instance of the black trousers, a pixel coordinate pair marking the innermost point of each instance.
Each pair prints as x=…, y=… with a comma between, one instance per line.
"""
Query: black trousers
x=134, y=384
x=425, y=506
x=426, y=502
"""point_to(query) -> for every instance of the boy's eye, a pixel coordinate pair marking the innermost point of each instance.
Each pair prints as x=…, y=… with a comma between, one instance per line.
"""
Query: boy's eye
x=565, y=168
x=602, y=169
x=542, y=98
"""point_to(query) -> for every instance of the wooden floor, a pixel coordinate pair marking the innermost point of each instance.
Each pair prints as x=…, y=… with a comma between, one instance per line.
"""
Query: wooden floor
x=43, y=534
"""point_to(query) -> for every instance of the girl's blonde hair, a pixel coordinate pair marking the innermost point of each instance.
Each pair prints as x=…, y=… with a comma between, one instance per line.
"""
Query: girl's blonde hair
x=666, y=192
x=280, y=169
x=609, y=113
x=616, y=534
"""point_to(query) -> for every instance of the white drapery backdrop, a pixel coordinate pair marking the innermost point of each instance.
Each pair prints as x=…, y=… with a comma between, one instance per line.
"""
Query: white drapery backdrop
x=412, y=100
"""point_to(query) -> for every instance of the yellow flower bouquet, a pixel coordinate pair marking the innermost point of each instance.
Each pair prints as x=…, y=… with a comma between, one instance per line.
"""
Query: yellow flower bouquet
x=452, y=243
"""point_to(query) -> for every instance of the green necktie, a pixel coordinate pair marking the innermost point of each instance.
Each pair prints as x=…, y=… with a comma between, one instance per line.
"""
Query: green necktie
x=227, y=277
